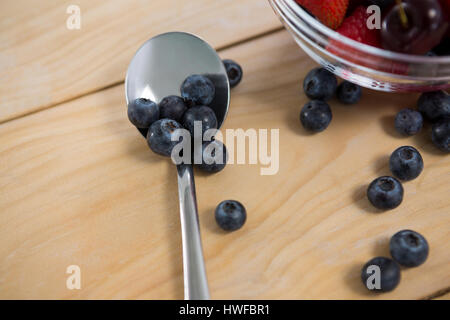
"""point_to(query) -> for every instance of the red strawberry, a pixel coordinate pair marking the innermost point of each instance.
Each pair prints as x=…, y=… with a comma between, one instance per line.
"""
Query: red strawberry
x=330, y=12
x=355, y=27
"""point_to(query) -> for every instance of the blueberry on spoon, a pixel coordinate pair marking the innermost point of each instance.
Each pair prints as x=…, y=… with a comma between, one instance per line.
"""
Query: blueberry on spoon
x=143, y=112
x=172, y=107
x=214, y=156
x=159, y=136
x=198, y=89
x=203, y=115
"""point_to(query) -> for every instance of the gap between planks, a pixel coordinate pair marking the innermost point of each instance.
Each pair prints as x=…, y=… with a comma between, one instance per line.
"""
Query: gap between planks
x=117, y=83
x=437, y=294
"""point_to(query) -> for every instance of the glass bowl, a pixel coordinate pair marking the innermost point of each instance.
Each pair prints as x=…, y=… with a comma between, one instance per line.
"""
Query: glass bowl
x=365, y=65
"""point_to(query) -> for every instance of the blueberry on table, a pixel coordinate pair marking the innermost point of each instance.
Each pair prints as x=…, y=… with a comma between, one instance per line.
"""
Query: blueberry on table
x=234, y=72
x=348, y=92
x=172, y=107
x=320, y=84
x=143, y=112
x=440, y=134
x=408, y=122
x=230, y=215
x=409, y=248
x=434, y=105
x=406, y=163
x=385, y=193
x=198, y=89
x=202, y=115
x=159, y=136
x=214, y=156
x=316, y=115
x=389, y=274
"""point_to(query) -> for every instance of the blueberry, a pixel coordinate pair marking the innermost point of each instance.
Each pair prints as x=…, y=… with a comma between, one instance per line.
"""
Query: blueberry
x=440, y=134
x=230, y=215
x=409, y=248
x=234, y=72
x=348, y=92
x=204, y=114
x=316, y=115
x=434, y=105
x=211, y=161
x=406, y=163
x=385, y=193
x=172, y=107
x=159, y=136
x=389, y=273
x=408, y=122
x=143, y=112
x=198, y=89
x=320, y=84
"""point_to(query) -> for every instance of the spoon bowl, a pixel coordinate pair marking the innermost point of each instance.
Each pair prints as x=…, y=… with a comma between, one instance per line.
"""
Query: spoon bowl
x=161, y=64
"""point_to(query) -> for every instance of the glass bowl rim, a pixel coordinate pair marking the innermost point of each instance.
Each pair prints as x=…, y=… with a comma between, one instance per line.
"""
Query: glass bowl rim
x=333, y=35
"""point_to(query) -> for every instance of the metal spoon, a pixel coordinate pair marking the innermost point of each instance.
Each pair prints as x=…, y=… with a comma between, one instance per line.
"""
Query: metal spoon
x=157, y=70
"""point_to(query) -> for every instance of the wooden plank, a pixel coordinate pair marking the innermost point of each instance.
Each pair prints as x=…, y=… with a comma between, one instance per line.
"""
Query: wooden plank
x=80, y=187
x=42, y=62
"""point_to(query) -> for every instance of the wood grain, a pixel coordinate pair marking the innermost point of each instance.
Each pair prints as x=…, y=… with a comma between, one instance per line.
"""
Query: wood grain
x=79, y=186
x=43, y=63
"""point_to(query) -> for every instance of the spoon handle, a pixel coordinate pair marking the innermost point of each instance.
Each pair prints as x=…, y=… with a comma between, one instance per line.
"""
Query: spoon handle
x=195, y=281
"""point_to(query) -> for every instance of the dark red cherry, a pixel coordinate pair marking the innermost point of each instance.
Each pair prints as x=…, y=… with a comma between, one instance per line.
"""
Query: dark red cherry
x=423, y=28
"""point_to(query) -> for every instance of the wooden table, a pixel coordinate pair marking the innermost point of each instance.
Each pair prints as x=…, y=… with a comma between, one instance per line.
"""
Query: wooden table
x=80, y=187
